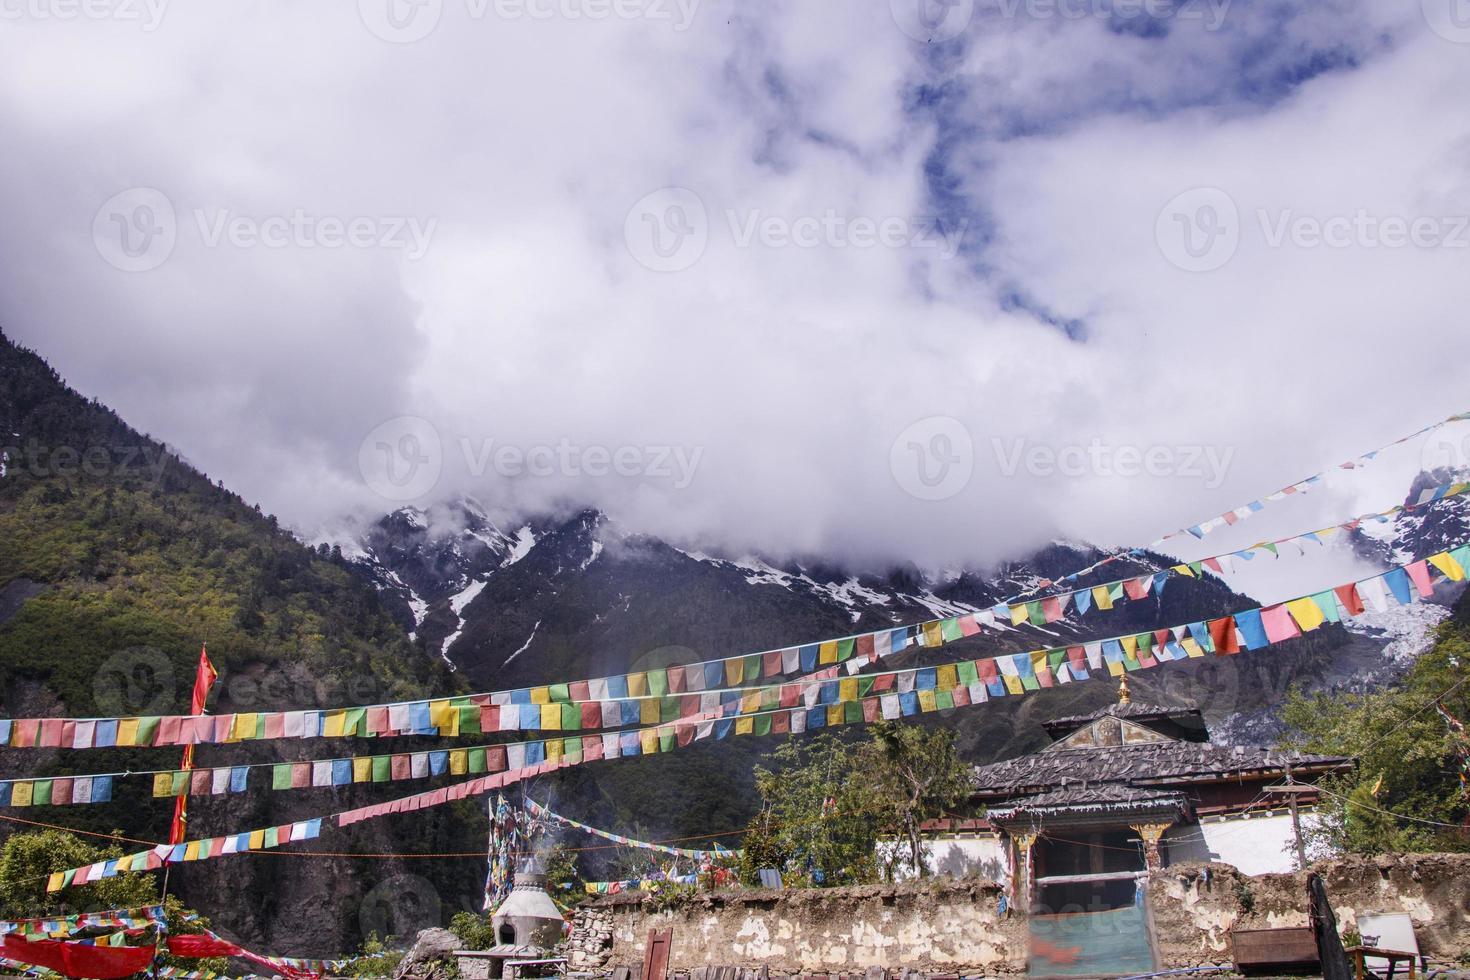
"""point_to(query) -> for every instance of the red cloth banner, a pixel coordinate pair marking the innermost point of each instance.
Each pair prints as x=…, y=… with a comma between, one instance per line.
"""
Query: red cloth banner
x=78, y=960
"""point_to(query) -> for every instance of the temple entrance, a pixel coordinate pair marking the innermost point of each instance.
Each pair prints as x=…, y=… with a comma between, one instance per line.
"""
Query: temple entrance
x=1091, y=944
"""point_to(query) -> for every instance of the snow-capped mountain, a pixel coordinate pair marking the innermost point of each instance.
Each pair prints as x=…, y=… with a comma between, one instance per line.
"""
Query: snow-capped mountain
x=578, y=595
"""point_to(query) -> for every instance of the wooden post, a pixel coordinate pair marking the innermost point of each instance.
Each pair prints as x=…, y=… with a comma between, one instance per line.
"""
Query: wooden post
x=1024, y=843
x=1296, y=823
x=1151, y=834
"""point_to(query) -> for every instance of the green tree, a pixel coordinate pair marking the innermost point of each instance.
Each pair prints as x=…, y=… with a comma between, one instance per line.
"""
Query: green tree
x=819, y=804
x=917, y=776
x=1405, y=794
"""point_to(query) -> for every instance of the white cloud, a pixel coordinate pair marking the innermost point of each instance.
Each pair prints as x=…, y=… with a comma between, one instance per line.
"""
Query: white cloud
x=791, y=370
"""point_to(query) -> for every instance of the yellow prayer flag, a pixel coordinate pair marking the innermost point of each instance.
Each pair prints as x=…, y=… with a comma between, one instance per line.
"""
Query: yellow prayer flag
x=827, y=652
x=551, y=717
x=946, y=677
x=441, y=711
x=648, y=711
x=244, y=726
x=847, y=689
x=553, y=749
x=1130, y=647
x=1116, y=668
x=458, y=762
x=1019, y=614
x=1013, y=684
x=637, y=684
x=1307, y=613
x=934, y=634
x=362, y=770
x=191, y=851
x=1183, y=570
x=750, y=702
x=835, y=714
x=257, y=840
x=53, y=883
x=1191, y=647
x=744, y=725
x=648, y=741
x=540, y=695
x=163, y=784
x=331, y=724
x=1101, y=598
x=1448, y=565
x=927, y=701
x=127, y=731
x=21, y=794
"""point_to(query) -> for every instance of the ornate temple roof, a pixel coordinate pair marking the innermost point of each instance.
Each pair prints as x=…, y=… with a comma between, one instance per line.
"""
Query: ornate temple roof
x=1163, y=763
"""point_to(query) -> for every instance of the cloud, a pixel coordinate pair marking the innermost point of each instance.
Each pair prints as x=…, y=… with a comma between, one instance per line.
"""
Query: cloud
x=885, y=235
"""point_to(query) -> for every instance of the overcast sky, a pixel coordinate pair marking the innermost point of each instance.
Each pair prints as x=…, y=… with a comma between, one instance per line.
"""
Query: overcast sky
x=887, y=282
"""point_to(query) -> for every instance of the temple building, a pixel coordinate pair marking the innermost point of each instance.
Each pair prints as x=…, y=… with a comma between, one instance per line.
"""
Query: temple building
x=1119, y=792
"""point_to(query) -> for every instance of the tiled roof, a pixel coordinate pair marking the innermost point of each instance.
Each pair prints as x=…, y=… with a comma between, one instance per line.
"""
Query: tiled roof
x=1106, y=796
x=1133, y=710
x=1139, y=764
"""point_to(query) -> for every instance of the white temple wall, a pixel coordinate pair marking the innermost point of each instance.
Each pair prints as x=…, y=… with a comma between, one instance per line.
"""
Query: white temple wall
x=1260, y=844
x=971, y=855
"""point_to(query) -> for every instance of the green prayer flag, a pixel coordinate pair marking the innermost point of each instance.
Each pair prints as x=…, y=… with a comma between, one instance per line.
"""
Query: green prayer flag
x=41, y=792
x=668, y=709
x=181, y=782
x=1327, y=602
x=967, y=673
x=762, y=725
x=272, y=837
x=469, y=720
x=950, y=630
x=382, y=768
x=1030, y=683
x=666, y=741
x=845, y=648
x=560, y=692
x=943, y=699
x=147, y=730
x=752, y=668
x=281, y=775
x=658, y=682
x=1035, y=613
x=865, y=686
x=354, y=722
x=852, y=712
x=477, y=759
x=571, y=717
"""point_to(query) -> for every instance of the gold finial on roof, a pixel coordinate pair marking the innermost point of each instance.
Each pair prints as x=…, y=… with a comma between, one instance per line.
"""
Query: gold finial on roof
x=1123, y=696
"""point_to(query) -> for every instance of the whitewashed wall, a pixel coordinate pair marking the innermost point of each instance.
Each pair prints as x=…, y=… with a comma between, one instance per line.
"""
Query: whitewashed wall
x=1256, y=845
x=979, y=855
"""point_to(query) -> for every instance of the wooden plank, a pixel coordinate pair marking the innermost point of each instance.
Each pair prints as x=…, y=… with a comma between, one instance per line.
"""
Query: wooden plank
x=656, y=956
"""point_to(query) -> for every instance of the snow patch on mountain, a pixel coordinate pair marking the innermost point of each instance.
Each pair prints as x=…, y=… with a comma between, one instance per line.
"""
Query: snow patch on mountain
x=1408, y=630
x=523, y=647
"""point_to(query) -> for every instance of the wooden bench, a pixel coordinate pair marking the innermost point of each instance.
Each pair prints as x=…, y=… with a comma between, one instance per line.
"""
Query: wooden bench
x=1271, y=950
x=1394, y=957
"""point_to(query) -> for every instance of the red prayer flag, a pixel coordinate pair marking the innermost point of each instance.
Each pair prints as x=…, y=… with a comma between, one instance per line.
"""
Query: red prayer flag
x=1348, y=598
x=1222, y=632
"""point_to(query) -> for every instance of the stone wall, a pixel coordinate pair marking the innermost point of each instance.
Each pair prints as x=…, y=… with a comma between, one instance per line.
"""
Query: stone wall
x=1194, y=906
x=943, y=925
x=948, y=926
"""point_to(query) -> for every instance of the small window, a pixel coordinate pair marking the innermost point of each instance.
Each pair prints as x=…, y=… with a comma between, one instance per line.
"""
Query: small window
x=507, y=934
